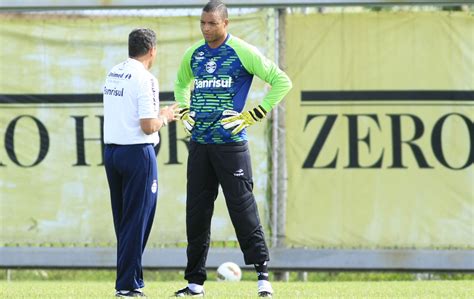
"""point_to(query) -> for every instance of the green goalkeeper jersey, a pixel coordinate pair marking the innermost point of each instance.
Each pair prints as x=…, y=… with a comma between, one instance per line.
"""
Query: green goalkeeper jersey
x=221, y=79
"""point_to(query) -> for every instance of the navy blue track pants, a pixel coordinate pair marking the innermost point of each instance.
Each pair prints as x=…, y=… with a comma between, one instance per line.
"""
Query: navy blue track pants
x=230, y=166
x=133, y=183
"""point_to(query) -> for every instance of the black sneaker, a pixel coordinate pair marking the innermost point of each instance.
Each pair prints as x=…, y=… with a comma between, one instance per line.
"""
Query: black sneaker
x=186, y=292
x=265, y=294
x=132, y=293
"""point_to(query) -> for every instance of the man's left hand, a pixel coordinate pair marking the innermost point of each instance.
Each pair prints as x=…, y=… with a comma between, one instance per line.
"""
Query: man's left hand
x=188, y=119
x=239, y=121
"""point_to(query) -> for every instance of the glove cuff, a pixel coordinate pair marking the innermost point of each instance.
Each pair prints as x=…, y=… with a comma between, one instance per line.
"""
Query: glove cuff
x=258, y=113
x=183, y=112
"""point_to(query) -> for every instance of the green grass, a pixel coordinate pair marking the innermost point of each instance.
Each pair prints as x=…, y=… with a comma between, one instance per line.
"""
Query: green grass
x=173, y=275
x=247, y=289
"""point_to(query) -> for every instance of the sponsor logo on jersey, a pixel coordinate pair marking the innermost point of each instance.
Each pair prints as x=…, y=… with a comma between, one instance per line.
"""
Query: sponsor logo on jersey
x=120, y=75
x=213, y=83
x=199, y=56
x=211, y=66
x=239, y=172
x=154, y=93
x=113, y=92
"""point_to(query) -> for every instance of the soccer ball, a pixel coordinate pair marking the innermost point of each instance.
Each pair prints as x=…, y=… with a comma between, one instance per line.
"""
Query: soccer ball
x=229, y=271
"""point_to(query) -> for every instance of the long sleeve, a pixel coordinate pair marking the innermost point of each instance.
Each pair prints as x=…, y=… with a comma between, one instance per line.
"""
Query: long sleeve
x=257, y=64
x=184, y=78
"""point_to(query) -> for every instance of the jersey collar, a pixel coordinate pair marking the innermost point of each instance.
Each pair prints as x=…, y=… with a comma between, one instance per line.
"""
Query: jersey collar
x=223, y=43
x=135, y=63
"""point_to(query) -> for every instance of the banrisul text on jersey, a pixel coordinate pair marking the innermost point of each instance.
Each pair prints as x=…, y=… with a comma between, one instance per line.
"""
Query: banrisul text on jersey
x=221, y=78
x=212, y=83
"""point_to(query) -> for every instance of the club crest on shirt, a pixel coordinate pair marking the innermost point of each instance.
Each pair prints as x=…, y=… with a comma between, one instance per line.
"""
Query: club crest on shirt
x=154, y=186
x=211, y=66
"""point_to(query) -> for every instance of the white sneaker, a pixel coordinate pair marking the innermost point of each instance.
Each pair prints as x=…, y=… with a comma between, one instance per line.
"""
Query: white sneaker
x=132, y=293
x=186, y=292
x=265, y=289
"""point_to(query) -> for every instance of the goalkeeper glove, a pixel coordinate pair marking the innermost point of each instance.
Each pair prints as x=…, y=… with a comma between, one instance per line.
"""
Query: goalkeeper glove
x=188, y=119
x=239, y=121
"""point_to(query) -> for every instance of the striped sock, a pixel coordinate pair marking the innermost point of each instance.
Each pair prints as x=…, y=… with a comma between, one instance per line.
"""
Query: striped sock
x=262, y=271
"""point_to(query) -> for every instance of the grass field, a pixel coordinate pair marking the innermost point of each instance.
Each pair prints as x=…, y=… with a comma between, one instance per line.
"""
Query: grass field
x=246, y=289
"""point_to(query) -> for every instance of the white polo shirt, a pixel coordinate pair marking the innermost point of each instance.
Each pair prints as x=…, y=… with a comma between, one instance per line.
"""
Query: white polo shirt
x=130, y=94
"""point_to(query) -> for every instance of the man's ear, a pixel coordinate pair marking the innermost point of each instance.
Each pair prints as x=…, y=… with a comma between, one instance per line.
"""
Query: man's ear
x=152, y=51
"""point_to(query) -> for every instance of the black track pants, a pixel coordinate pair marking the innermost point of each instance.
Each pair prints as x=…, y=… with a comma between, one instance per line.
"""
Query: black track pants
x=229, y=165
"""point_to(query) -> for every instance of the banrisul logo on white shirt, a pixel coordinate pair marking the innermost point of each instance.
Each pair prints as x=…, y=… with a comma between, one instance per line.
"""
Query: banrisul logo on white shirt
x=213, y=83
x=113, y=91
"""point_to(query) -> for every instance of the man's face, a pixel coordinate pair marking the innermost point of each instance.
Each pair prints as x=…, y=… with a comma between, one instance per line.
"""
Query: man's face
x=213, y=26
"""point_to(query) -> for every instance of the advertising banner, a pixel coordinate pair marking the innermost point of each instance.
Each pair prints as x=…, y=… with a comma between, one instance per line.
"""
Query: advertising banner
x=380, y=130
x=53, y=188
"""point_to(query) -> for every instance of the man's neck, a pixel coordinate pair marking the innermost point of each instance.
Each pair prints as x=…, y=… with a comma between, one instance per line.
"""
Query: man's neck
x=144, y=61
x=217, y=43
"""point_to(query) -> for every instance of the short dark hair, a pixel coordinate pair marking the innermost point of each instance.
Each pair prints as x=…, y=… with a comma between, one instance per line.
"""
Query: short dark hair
x=140, y=41
x=217, y=5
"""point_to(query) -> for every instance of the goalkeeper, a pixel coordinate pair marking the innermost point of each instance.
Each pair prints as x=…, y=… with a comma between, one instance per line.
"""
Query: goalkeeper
x=221, y=68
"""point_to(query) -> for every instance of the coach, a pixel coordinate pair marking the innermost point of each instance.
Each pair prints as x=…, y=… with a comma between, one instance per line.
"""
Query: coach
x=132, y=119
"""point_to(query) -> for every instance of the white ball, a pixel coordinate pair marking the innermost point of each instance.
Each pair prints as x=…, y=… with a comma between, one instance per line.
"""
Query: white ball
x=229, y=271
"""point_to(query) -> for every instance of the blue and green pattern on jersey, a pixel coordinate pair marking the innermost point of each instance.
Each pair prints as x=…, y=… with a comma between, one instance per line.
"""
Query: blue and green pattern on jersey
x=222, y=78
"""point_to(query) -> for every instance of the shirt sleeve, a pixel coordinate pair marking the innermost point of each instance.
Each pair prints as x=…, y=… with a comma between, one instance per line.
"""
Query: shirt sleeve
x=148, y=101
x=257, y=64
x=184, y=78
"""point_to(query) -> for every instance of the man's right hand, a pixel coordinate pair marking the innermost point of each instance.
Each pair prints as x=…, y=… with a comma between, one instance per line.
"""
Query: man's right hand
x=168, y=113
x=188, y=119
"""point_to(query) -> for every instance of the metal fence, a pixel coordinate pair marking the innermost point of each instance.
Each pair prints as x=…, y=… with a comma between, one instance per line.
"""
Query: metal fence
x=419, y=260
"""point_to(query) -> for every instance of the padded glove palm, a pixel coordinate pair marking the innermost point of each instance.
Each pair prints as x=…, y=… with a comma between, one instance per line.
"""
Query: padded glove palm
x=187, y=117
x=239, y=121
